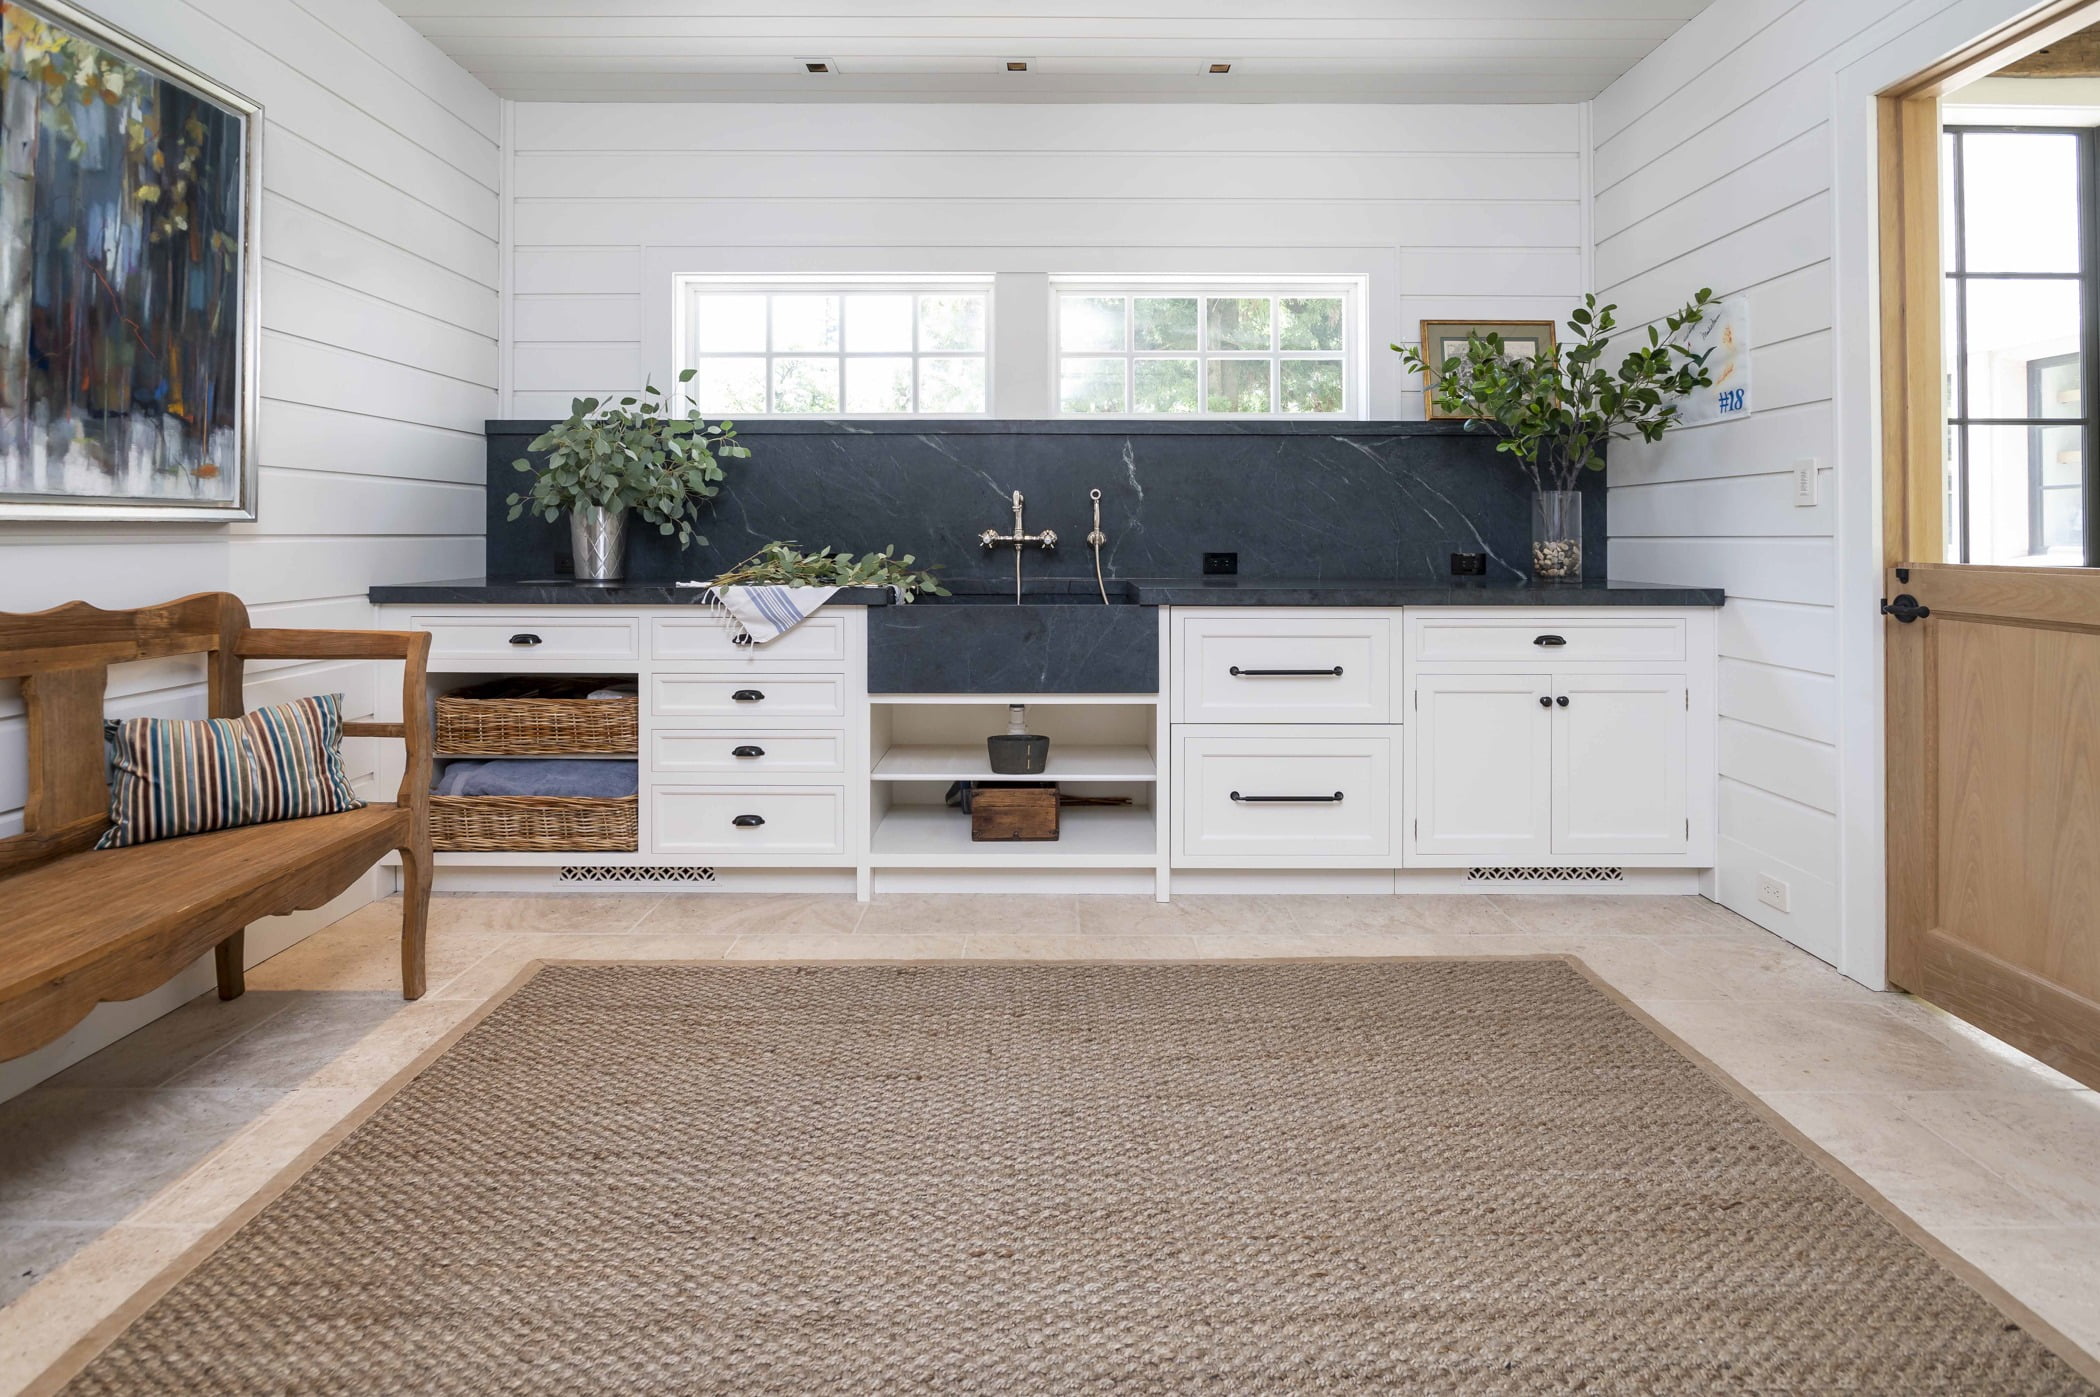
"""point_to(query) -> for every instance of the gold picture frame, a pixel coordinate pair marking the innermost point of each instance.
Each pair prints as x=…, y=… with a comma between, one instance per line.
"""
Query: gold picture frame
x=1442, y=339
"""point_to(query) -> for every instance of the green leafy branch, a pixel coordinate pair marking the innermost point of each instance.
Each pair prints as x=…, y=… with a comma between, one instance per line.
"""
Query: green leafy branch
x=779, y=564
x=632, y=455
x=1556, y=411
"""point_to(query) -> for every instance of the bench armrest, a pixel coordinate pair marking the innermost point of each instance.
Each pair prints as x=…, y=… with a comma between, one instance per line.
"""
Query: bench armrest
x=411, y=647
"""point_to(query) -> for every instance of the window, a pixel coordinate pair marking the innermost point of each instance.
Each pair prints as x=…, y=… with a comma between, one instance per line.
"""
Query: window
x=2021, y=280
x=841, y=349
x=1163, y=350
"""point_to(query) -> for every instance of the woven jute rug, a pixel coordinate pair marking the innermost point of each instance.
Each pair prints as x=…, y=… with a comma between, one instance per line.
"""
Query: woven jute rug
x=1414, y=1176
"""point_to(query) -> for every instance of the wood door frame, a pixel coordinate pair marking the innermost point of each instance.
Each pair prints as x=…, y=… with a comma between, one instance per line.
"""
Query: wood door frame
x=1911, y=431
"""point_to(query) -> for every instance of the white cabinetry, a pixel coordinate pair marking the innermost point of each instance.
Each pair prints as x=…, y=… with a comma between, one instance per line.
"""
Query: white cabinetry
x=1571, y=738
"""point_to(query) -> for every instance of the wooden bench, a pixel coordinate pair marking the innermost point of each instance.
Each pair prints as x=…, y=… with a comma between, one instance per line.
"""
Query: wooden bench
x=80, y=925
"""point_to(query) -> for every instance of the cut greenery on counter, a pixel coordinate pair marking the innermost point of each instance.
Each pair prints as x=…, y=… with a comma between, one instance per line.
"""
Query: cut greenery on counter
x=781, y=565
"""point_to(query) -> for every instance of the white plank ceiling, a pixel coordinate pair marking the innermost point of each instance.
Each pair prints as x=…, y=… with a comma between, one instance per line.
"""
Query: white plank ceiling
x=1076, y=50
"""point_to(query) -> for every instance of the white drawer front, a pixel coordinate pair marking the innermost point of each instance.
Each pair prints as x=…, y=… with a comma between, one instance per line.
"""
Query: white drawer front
x=819, y=641
x=1285, y=668
x=755, y=698
x=531, y=637
x=1544, y=639
x=774, y=820
x=1270, y=801
x=746, y=756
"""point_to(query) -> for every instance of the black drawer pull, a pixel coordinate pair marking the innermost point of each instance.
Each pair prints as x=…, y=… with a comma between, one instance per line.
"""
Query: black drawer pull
x=1335, y=799
x=747, y=696
x=1562, y=700
x=1545, y=702
x=1239, y=673
x=524, y=638
x=748, y=751
x=748, y=821
x=740, y=640
x=1549, y=640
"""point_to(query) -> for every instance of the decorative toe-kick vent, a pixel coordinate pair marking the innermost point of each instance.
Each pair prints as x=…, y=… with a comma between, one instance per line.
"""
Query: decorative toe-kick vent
x=1545, y=875
x=654, y=873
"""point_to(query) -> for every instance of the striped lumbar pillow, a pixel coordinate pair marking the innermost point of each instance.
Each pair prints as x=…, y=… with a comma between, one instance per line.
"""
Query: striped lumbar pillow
x=171, y=776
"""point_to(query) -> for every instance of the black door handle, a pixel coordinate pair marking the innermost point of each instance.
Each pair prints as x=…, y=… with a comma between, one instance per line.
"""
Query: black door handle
x=1545, y=702
x=524, y=638
x=1334, y=799
x=1239, y=673
x=1549, y=640
x=1562, y=700
x=748, y=821
x=747, y=696
x=748, y=751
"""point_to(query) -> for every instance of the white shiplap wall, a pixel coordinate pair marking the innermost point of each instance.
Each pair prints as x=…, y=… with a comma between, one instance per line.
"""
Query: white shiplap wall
x=1446, y=210
x=1713, y=165
x=379, y=364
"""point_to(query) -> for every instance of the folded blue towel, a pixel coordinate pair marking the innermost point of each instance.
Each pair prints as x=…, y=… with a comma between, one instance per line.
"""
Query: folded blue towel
x=538, y=777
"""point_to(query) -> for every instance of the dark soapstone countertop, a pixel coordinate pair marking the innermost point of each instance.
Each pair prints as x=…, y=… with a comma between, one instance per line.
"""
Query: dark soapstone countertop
x=565, y=591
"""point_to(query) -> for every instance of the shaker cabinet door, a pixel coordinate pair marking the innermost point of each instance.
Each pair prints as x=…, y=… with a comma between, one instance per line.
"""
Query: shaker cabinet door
x=1482, y=765
x=1619, y=765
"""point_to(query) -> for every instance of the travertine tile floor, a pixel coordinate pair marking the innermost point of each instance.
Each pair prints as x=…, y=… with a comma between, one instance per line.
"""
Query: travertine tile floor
x=111, y=1169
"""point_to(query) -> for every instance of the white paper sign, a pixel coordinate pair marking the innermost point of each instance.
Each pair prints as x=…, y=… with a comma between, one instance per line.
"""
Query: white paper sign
x=1726, y=332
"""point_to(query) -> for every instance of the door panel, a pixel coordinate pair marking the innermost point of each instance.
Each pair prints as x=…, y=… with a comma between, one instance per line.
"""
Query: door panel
x=1994, y=803
x=1482, y=766
x=1619, y=765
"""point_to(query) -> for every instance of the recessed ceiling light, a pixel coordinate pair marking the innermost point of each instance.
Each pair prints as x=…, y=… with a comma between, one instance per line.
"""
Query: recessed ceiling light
x=1221, y=67
x=818, y=67
x=1016, y=65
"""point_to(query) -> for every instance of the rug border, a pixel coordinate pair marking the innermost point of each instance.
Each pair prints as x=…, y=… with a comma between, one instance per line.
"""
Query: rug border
x=83, y=1350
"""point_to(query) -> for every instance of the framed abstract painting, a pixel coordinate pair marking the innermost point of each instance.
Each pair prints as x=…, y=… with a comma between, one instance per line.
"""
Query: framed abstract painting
x=129, y=189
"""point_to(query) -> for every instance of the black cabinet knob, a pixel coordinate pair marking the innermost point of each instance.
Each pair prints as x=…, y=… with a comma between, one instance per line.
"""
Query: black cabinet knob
x=1562, y=700
x=748, y=751
x=748, y=696
x=748, y=821
x=1549, y=640
x=524, y=638
x=1545, y=702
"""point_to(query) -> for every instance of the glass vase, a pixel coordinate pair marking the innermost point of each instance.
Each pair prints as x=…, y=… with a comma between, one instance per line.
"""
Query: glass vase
x=1556, y=536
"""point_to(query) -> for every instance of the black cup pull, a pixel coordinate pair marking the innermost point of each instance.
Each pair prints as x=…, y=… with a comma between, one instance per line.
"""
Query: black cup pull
x=524, y=638
x=748, y=696
x=1334, y=799
x=1545, y=702
x=748, y=751
x=748, y=821
x=740, y=640
x=1562, y=700
x=1239, y=673
x=1549, y=640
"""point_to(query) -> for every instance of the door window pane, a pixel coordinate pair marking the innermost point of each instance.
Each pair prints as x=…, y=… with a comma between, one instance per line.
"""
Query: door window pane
x=2025, y=497
x=2023, y=348
x=2019, y=201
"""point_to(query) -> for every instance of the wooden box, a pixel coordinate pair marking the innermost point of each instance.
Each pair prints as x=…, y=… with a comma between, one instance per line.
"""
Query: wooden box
x=1013, y=812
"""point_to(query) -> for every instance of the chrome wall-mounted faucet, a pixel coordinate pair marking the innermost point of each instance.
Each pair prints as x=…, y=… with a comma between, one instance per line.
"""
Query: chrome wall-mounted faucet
x=1020, y=538
x=1094, y=540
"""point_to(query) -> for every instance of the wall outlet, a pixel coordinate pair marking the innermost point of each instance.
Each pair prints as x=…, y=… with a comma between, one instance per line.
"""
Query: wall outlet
x=1469, y=565
x=1805, y=483
x=1221, y=564
x=1771, y=892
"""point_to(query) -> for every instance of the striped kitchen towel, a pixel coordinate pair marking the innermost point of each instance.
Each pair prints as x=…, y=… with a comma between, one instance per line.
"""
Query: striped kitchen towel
x=760, y=614
x=170, y=776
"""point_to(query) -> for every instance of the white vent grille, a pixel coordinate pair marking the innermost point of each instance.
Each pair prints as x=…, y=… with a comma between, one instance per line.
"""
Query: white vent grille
x=653, y=873
x=1545, y=875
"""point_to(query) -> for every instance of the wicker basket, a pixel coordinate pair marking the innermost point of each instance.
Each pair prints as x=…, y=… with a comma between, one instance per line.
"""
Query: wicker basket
x=533, y=824
x=536, y=718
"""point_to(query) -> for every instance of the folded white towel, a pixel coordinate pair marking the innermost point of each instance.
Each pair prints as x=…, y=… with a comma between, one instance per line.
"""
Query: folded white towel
x=760, y=614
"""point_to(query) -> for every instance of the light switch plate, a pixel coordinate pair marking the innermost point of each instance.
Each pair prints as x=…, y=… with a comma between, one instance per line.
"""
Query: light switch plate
x=1805, y=483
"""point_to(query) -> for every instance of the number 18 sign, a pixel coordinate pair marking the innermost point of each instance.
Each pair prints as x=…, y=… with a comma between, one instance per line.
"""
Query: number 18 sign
x=1726, y=333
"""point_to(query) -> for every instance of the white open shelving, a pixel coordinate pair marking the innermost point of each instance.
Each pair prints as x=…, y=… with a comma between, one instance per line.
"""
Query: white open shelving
x=932, y=836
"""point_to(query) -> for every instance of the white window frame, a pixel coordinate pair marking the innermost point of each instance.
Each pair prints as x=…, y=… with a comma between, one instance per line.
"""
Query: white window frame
x=685, y=287
x=1350, y=289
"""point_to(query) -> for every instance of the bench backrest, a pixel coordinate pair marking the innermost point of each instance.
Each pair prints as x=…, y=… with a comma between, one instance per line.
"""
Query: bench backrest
x=62, y=657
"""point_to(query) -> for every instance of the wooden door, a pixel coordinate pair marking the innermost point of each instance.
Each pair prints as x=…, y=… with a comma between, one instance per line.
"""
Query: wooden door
x=1994, y=801
x=1619, y=755
x=1483, y=765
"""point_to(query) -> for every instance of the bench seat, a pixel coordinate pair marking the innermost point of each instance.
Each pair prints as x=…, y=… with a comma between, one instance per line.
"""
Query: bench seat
x=115, y=923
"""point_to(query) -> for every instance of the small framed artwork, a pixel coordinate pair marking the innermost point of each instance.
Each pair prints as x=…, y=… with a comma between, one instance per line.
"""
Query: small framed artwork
x=1444, y=340
x=128, y=295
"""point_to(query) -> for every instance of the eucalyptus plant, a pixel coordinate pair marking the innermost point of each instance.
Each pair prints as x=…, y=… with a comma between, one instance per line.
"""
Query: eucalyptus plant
x=632, y=455
x=1556, y=411
x=782, y=565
